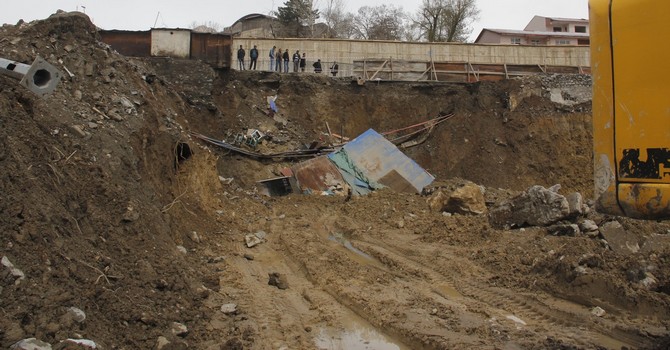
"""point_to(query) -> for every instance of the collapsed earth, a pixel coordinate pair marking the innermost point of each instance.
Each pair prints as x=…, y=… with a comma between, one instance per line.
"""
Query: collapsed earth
x=121, y=230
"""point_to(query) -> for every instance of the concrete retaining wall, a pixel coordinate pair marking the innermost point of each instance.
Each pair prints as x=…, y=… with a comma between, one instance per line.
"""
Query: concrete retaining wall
x=346, y=51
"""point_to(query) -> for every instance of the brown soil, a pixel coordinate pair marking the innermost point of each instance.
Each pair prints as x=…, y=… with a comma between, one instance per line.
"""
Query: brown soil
x=108, y=205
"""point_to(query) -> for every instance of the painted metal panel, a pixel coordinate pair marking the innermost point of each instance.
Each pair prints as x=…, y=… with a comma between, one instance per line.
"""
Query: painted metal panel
x=317, y=174
x=376, y=156
x=214, y=49
x=171, y=43
x=128, y=43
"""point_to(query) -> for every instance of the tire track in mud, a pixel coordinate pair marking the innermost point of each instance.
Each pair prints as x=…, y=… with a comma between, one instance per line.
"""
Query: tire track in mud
x=582, y=330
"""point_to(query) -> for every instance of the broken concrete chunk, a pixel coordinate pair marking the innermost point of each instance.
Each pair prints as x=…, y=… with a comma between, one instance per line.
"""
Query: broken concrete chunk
x=86, y=343
x=252, y=240
x=575, y=204
x=229, y=309
x=618, y=239
x=31, y=344
x=537, y=206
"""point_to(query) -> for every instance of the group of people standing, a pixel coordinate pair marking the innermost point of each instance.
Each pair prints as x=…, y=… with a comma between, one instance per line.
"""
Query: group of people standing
x=277, y=57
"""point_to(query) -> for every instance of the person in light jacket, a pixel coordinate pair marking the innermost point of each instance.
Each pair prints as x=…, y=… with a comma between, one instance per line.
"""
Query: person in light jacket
x=272, y=58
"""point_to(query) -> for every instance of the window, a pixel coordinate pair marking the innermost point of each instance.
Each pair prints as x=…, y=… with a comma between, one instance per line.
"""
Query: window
x=583, y=42
x=562, y=42
x=580, y=29
x=536, y=42
x=558, y=29
x=515, y=41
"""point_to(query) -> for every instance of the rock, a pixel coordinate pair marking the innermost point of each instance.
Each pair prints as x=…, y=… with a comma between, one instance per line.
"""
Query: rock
x=467, y=199
x=92, y=125
x=575, y=204
x=581, y=270
x=216, y=260
x=229, y=309
x=249, y=256
x=31, y=344
x=131, y=214
x=16, y=274
x=68, y=48
x=588, y=227
x=194, y=237
x=179, y=329
x=79, y=130
x=77, y=314
x=77, y=95
x=537, y=206
x=655, y=243
x=81, y=344
x=278, y=280
x=598, y=311
x=252, y=240
x=181, y=249
x=564, y=230
x=618, y=239
x=232, y=344
x=649, y=281
x=400, y=224
x=162, y=342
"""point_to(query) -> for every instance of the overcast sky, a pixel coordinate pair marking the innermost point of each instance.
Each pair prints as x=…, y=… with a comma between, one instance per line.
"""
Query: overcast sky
x=143, y=14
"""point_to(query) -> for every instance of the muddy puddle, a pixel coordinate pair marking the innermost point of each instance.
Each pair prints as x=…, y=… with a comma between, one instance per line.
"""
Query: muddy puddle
x=355, y=253
x=357, y=335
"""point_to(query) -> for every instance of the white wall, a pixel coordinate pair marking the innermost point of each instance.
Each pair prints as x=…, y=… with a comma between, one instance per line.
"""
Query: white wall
x=171, y=42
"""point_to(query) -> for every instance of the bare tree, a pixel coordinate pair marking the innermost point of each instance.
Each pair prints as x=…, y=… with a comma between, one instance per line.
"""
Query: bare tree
x=206, y=27
x=383, y=22
x=339, y=22
x=446, y=20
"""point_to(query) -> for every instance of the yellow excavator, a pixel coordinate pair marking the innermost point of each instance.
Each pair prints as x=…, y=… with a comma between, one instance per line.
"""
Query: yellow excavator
x=631, y=107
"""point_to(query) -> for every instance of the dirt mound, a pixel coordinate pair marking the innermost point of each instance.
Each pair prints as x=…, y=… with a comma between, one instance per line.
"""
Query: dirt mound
x=109, y=207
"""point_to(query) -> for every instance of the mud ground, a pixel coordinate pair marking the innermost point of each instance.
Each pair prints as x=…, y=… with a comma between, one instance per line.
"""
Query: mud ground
x=108, y=205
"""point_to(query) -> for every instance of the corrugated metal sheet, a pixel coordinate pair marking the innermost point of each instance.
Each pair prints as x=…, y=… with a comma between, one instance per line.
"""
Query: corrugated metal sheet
x=128, y=43
x=215, y=49
x=377, y=158
x=317, y=174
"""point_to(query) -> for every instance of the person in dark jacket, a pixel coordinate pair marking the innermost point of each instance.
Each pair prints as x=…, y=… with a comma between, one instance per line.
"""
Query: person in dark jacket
x=286, y=58
x=253, y=55
x=240, y=57
x=334, y=68
x=317, y=66
x=303, y=62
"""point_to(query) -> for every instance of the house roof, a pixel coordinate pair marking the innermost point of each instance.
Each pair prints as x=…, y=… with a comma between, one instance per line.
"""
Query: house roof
x=564, y=19
x=533, y=33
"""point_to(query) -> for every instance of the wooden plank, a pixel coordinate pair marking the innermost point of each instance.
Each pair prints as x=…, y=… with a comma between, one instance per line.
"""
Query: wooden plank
x=380, y=68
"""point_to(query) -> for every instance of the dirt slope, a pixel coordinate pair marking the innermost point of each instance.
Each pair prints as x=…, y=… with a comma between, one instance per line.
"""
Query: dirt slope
x=107, y=205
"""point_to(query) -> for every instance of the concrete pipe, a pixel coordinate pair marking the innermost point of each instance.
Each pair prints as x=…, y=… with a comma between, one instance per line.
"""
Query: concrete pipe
x=39, y=77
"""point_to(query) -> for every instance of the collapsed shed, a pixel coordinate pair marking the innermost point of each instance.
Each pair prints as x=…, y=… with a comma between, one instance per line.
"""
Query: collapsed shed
x=362, y=165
